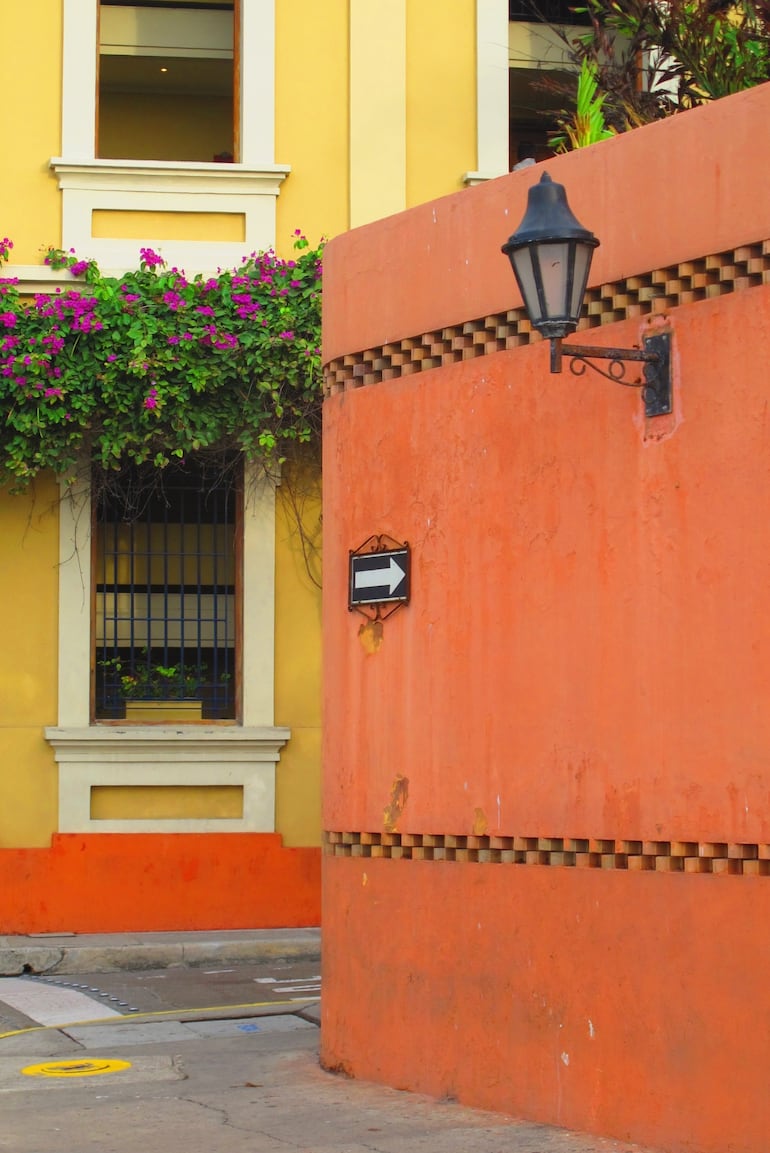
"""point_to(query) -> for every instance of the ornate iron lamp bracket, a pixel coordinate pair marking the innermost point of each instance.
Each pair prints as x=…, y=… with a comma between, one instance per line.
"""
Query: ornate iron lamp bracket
x=655, y=356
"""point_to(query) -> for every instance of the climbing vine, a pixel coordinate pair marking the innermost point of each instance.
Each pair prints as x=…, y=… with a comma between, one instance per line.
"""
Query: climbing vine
x=151, y=366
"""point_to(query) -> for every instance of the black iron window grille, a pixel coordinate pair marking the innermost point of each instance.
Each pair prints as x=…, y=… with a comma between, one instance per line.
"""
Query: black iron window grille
x=166, y=588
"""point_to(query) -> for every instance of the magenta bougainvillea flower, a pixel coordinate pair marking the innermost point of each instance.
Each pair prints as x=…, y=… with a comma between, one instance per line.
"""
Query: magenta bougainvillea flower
x=153, y=365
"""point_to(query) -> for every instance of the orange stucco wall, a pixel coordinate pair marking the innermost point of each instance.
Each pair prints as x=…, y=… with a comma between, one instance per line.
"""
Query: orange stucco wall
x=629, y=1004
x=586, y=655
x=175, y=881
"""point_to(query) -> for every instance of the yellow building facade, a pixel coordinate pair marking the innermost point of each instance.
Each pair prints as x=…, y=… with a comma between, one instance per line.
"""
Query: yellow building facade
x=205, y=131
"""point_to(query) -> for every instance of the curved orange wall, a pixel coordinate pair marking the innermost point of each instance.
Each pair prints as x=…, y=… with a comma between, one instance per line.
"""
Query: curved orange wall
x=685, y=187
x=586, y=655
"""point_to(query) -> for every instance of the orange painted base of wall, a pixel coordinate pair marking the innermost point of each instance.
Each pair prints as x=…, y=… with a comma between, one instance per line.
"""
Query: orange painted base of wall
x=632, y=1005
x=114, y=882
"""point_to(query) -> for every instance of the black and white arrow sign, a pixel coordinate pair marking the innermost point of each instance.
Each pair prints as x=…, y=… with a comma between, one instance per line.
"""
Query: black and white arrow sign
x=379, y=577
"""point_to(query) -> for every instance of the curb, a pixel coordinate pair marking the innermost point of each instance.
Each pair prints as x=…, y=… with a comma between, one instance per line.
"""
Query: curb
x=131, y=954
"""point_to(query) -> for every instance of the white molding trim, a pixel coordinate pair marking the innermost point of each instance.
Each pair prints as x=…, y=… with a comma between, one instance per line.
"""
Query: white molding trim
x=178, y=755
x=258, y=598
x=104, y=754
x=74, y=603
x=34, y=278
x=79, y=57
x=491, y=89
x=257, y=97
x=167, y=187
x=471, y=179
x=205, y=178
x=249, y=188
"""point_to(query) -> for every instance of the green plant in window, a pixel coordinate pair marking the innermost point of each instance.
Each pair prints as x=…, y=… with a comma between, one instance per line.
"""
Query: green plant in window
x=147, y=680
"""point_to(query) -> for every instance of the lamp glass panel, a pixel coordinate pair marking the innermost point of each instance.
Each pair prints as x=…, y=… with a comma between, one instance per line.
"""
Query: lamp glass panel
x=554, y=270
x=583, y=256
x=522, y=263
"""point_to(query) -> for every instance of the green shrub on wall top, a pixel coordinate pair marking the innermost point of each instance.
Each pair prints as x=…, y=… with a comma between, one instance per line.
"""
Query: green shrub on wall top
x=150, y=367
x=657, y=59
x=586, y=125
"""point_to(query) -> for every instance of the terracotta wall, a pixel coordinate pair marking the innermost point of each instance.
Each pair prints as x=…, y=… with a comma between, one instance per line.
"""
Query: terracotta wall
x=567, y=725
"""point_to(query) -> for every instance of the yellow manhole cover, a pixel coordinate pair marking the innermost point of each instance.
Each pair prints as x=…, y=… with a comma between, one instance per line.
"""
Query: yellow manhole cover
x=76, y=1068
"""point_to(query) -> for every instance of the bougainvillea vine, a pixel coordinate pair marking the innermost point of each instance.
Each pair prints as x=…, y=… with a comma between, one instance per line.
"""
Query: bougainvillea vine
x=151, y=366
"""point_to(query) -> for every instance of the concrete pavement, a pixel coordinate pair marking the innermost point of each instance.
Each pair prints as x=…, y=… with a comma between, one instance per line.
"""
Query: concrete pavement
x=262, y=1091
x=203, y=1081
x=107, y=952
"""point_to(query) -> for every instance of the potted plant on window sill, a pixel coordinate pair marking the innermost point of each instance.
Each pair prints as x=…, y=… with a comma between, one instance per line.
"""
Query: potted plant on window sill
x=157, y=693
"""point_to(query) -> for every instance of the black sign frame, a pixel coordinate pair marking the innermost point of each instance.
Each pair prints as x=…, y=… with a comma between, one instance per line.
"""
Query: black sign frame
x=378, y=576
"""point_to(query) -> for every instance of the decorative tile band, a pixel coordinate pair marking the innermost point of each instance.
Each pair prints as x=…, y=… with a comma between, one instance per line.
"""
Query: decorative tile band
x=564, y=852
x=637, y=296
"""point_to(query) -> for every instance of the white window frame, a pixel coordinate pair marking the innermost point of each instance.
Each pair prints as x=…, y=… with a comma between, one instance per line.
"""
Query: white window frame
x=87, y=184
x=491, y=91
x=92, y=755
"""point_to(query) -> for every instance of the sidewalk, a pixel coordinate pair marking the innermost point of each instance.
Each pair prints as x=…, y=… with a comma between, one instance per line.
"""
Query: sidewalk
x=108, y=952
x=250, y=1082
x=255, y=1095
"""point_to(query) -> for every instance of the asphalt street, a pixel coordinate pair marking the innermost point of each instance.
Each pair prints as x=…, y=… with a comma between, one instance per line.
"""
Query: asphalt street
x=216, y=989
x=215, y=985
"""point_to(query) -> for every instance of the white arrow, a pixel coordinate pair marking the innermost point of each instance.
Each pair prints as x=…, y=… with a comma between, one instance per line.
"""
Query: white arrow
x=376, y=577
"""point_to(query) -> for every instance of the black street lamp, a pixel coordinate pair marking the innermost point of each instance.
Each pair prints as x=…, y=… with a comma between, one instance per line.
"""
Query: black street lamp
x=550, y=253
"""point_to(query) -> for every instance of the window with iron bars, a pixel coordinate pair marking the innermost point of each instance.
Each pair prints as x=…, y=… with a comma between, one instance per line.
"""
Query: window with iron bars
x=166, y=611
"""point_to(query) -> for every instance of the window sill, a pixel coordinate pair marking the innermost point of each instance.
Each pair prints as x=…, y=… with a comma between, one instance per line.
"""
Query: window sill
x=178, y=755
x=472, y=179
x=169, y=176
x=164, y=191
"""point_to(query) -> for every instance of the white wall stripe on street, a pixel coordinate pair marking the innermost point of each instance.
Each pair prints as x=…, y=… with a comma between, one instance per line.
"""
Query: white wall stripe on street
x=300, y=985
x=50, y=1004
x=301, y=989
x=284, y=981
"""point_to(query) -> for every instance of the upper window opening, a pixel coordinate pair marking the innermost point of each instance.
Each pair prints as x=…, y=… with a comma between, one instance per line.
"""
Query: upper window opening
x=541, y=75
x=166, y=81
